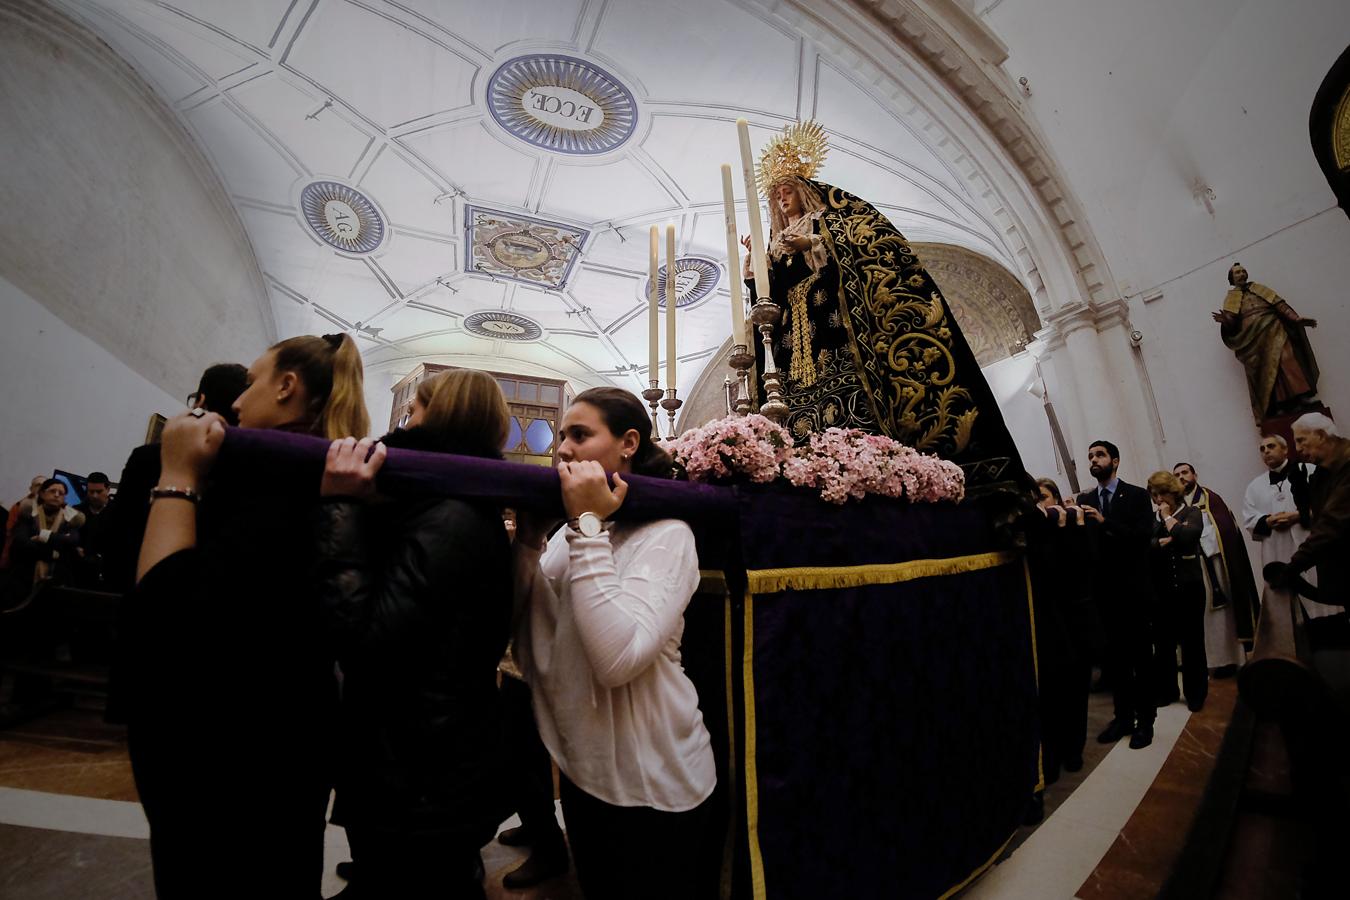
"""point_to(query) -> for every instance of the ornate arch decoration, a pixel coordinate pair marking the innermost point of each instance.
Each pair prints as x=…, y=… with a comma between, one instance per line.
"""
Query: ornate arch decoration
x=1329, y=128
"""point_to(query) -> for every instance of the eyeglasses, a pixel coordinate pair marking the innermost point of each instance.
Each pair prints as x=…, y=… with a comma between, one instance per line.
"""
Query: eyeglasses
x=192, y=398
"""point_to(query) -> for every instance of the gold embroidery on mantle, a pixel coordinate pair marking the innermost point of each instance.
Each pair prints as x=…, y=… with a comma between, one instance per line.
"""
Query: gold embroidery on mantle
x=802, y=368
x=906, y=365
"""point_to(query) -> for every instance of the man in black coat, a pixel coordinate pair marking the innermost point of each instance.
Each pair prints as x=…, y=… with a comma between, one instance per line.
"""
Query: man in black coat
x=1121, y=515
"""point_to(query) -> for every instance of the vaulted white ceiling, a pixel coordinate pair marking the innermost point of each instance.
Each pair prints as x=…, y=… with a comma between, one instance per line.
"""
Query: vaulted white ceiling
x=390, y=98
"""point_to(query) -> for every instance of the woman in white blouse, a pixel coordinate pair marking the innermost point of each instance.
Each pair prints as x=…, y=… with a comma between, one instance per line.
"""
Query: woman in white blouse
x=599, y=641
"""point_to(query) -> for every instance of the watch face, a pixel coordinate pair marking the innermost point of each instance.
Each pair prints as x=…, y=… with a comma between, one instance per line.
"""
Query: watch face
x=588, y=524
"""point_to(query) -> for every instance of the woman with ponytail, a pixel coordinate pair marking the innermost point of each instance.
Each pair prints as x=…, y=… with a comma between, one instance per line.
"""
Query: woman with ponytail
x=231, y=693
x=599, y=643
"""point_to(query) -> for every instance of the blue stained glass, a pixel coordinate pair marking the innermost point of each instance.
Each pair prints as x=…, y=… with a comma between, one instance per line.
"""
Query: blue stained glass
x=513, y=435
x=539, y=436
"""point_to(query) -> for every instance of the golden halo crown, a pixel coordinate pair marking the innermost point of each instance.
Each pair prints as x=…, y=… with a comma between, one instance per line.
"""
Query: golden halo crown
x=800, y=150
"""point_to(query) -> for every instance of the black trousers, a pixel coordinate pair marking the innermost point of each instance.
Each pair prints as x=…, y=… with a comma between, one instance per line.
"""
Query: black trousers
x=201, y=802
x=1129, y=624
x=530, y=769
x=412, y=865
x=1181, y=621
x=624, y=852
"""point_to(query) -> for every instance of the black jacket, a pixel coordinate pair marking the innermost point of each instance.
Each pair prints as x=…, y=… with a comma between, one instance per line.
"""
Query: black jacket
x=417, y=602
x=1177, y=563
x=1122, y=540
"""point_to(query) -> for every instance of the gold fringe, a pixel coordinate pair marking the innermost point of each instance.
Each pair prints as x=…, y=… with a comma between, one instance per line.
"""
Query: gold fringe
x=751, y=778
x=808, y=578
x=729, y=848
x=979, y=871
x=1036, y=670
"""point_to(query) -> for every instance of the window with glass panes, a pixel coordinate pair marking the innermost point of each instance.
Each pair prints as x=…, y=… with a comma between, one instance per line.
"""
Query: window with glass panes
x=536, y=406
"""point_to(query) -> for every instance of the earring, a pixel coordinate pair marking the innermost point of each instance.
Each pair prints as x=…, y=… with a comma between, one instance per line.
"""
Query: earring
x=623, y=457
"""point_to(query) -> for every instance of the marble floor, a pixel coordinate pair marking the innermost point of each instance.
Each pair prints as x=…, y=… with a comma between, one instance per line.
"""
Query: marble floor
x=70, y=825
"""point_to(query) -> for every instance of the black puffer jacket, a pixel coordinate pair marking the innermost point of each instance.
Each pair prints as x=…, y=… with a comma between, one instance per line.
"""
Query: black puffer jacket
x=417, y=597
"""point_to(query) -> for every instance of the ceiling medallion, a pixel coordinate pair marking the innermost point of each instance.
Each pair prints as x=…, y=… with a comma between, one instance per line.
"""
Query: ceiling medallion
x=342, y=217
x=520, y=248
x=502, y=326
x=562, y=104
x=695, y=278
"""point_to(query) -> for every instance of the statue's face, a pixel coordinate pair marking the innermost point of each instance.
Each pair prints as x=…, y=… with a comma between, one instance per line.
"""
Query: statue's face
x=785, y=195
x=1239, y=275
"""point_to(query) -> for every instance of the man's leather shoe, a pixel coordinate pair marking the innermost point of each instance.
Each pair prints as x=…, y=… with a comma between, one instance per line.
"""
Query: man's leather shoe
x=515, y=837
x=1115, y=731
x=1142, y=737
x=543, y=864
x=1225, y=672
x=1073, y=764
x=344, y=870
x=1195, y=706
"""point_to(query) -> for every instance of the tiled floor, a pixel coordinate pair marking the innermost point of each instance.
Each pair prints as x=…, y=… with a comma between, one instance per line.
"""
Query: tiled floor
x=70, y=825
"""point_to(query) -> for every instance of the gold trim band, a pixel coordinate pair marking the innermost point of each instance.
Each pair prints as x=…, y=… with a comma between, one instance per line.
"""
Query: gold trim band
x=809, y=578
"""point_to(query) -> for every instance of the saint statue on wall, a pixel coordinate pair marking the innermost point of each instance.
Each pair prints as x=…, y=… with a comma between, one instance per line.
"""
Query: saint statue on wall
x=1271, y=342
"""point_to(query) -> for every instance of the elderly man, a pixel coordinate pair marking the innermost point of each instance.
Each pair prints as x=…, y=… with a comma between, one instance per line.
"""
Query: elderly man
x=1276, y=512
x=1328, y=543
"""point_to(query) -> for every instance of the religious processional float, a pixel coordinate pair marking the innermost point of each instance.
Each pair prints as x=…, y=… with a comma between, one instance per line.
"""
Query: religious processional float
x=866, y=669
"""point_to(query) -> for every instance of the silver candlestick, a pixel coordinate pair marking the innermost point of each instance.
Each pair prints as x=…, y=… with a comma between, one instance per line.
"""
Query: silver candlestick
x=670, y=405
x=727, y=385
x=653, y=395
x=742, y=360
x=766, y=315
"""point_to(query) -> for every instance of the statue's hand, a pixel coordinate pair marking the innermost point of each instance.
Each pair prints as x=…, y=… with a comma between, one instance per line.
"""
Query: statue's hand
x=1224, y=317
x=1308, y=323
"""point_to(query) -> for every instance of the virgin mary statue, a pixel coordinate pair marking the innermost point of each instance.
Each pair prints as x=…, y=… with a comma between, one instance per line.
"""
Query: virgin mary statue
x=867, y=340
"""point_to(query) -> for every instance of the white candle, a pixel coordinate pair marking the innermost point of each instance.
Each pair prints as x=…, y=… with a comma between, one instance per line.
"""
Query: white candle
x=670, y=307
x=733, y=259
x=653, y=317
x=757, y=257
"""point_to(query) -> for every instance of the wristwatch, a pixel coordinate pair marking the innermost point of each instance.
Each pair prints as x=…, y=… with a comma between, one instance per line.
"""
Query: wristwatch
x=587, y=524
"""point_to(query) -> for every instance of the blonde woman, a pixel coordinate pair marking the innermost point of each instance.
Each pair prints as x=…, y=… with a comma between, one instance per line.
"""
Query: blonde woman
x=416, y=594
x=1180, y=586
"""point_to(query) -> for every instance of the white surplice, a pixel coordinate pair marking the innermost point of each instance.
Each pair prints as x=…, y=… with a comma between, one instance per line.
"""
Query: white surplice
x=1264, y=499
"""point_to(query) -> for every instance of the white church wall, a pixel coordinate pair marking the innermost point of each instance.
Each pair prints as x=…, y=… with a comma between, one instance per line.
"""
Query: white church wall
x=69, y=403
x=1025, y=415
x=1143, y=104
x=113, y=220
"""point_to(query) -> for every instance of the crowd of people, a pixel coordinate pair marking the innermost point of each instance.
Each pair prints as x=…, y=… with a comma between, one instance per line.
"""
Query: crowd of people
x=1126, y=576
x=278, y=648
x=422, y=659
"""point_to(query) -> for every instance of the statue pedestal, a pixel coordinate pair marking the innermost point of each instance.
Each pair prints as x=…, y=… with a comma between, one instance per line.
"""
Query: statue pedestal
x=1284, y=426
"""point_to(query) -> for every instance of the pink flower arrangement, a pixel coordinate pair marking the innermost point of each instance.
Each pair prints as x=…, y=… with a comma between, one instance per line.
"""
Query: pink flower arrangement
x=844, y=463
x=749, y=446
x=841, y=463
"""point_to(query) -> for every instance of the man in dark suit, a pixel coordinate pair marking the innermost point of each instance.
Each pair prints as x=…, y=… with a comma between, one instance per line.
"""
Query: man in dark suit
x=1122, y=517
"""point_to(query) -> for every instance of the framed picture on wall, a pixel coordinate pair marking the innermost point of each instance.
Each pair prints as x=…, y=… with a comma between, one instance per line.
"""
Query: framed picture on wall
x=155, y=428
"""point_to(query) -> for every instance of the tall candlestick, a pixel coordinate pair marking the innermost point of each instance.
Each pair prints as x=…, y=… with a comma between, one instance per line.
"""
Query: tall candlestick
x=670, y=307
x=761, y=266
x=733, y=259
x=653, y=319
